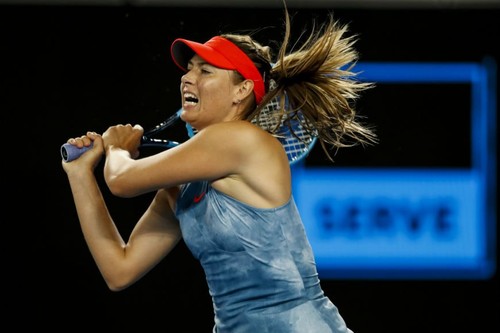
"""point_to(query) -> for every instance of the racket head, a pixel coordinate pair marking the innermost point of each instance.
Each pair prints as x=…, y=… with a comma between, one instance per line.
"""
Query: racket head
x=289, y=128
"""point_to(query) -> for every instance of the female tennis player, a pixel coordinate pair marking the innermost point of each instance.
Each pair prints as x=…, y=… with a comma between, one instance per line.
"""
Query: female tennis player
x=226, y=191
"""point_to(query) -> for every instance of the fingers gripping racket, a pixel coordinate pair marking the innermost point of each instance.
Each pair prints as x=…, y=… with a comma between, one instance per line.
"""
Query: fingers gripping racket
x=291, y=132
x=70, y=152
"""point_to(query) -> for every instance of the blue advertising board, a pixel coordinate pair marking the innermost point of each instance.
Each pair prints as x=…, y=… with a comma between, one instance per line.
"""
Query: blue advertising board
x=409, y=223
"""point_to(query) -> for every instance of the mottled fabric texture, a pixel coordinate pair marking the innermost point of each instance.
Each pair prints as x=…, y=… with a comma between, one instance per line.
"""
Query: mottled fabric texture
x=258, y=263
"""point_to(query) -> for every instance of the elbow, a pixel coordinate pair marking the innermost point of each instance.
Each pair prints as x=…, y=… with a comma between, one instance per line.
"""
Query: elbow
x=120, y=180
x=117, y=284
x=118, y=186
x=119, y=277
x=116, y=288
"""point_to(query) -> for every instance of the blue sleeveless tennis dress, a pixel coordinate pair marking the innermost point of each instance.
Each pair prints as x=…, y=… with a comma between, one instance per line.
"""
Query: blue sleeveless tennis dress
x=259, y=265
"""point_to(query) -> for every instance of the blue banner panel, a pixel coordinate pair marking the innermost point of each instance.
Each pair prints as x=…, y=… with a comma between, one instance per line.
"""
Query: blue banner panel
x=408, y=222
x=394, y=223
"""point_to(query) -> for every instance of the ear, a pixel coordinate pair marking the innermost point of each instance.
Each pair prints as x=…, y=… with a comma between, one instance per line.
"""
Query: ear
x=244, y=89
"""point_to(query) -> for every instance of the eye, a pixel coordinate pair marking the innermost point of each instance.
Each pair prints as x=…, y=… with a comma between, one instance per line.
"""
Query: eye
x=206, y=70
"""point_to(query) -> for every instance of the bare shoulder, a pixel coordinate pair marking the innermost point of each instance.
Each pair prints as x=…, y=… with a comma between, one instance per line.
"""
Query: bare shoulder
x=240, y=131
x=232, y=147
x=236, y=125
x=260, y=174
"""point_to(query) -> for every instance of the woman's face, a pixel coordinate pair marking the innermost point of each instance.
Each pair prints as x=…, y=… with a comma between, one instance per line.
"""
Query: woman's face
x=208, y=94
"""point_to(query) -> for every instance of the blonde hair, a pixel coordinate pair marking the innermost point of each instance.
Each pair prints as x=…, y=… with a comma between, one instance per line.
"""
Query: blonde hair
x=316, y=80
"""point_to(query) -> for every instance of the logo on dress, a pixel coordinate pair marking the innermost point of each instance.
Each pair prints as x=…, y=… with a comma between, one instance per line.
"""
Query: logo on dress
x=197, y=198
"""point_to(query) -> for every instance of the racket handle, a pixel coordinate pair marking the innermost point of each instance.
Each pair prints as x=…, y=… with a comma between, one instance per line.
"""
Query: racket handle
x=70, y=152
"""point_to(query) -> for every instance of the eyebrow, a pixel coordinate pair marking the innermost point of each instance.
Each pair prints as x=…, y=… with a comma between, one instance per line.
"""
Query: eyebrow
x=199, y=63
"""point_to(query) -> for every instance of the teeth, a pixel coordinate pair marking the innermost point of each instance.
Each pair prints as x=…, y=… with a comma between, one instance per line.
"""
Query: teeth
x=189, y=95
x=190, y=99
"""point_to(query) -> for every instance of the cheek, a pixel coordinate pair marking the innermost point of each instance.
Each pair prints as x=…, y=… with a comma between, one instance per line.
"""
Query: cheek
x=219, y=93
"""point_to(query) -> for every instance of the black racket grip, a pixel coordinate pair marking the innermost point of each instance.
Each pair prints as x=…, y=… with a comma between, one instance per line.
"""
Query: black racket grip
x=70, y=152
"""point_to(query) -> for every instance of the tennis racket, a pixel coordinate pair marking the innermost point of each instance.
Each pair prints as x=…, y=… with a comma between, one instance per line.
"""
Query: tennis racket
x=70, y=152
x=290, y=131
x=290, y=128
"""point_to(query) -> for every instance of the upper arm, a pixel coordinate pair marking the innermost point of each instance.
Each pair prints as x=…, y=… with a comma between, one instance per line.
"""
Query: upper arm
x=152, y=238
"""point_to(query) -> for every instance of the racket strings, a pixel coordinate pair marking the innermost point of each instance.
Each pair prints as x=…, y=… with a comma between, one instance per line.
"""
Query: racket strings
x=290, y=127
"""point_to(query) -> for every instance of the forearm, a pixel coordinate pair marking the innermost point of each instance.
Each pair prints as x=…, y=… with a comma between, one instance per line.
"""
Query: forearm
x=103, y=239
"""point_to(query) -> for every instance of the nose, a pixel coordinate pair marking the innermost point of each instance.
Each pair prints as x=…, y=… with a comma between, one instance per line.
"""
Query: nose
x=186, y=78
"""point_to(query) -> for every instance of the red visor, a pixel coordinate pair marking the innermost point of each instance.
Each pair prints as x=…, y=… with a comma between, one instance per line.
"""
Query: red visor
x=220, y=53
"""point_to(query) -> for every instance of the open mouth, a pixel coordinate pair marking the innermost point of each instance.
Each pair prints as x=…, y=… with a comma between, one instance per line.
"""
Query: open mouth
x=190, y=99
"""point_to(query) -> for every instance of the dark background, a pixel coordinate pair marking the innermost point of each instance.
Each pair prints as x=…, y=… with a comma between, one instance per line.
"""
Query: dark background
x=69, y=69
